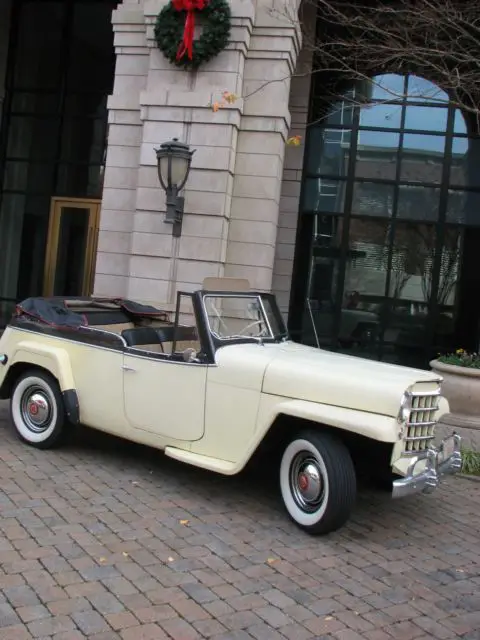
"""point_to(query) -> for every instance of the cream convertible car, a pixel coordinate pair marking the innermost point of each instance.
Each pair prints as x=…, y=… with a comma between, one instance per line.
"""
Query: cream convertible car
x=222, y=386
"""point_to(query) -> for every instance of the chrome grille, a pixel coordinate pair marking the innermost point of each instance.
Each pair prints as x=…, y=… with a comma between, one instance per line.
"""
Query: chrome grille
x=420, y=420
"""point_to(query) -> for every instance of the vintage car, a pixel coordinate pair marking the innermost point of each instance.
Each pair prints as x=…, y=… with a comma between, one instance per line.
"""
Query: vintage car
x=217, y=383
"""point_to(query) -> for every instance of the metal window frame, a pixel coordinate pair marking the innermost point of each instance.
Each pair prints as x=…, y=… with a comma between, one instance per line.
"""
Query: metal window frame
x=302, y=275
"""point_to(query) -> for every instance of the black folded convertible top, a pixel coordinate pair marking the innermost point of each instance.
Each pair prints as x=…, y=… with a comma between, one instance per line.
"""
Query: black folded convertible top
x=73, y=312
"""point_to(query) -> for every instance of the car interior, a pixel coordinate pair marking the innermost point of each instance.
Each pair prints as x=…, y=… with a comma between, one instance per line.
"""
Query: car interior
x=150, y=335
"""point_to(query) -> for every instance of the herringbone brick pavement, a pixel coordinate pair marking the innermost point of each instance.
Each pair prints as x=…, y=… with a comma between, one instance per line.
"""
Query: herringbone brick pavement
x=107, y=540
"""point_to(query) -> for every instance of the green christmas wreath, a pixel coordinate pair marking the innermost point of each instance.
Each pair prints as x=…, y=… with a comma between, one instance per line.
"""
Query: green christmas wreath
x=174, y=31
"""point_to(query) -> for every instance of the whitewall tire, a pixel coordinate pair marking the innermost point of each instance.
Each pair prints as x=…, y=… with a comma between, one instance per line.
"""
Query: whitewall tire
x=37, y=410
x=317, y=482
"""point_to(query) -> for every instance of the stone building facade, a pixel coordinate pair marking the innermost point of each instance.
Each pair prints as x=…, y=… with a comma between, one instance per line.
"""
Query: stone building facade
x=241, y=198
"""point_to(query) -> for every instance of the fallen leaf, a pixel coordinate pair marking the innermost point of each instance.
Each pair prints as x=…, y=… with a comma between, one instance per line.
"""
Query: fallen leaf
x=102, y=560
x=185, y=522
x=329, y=618
x=125, y=554
x=229, y=97
x=271, y=560
x=294, y=141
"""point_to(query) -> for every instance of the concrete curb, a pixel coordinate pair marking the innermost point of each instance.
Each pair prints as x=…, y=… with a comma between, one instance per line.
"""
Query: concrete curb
x=469, y=477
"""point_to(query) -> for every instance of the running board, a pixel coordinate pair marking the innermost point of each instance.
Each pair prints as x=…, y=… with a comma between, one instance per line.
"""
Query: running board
x=205, y=462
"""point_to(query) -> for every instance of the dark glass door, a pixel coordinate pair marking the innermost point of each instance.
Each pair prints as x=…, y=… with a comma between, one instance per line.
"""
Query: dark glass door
x=53, y=134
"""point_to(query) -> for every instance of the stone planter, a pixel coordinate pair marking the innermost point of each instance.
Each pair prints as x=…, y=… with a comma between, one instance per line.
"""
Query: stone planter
x=461, y=387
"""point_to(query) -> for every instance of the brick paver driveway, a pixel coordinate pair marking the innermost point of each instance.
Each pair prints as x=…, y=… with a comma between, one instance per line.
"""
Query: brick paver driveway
x=106, y=540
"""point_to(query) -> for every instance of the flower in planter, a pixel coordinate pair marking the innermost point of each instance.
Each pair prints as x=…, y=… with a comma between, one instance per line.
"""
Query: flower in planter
x=461, y=358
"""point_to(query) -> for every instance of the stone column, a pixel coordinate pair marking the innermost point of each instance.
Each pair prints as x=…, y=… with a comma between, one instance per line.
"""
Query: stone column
x=123, y=152
x=176, y=103
x=293, y=166
x=262, y=137
x=233, y=192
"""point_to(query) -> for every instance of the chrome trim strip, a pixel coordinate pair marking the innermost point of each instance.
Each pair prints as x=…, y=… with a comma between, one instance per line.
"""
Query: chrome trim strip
x=106, y=332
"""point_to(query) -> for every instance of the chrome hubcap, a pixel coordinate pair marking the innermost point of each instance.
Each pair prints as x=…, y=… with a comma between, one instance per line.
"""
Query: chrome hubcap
x=36, y=409
x=307, y=482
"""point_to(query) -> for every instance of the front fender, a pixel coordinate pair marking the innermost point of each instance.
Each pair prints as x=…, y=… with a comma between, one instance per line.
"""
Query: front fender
x=377, y=427
x=371, y=425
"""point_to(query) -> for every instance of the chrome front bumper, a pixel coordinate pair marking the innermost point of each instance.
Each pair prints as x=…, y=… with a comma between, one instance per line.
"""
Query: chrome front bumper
x=435, y=464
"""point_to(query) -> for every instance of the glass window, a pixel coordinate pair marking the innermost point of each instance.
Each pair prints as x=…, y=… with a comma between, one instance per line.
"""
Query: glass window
x=328, y=151
x=373, y=199
x=421, y=90
x=32, y=138
x=465, y=163
x=383, y=139
x=238, y=316
x=364, y=288
x=377, y=155
x=388, y=86
x=383, y=307
x=28, y=177
x=386, y=116
x=463, y=207
x=459, y=147
x=34, y=103
x=83, y=140
x=426, y=118
x=85, y=104
x=322, y=194
x=422, y=158
x=429, y=144
x=459, y=125
x=339, y=114
x=40, y=35
x=418, y=203
x=318, y=319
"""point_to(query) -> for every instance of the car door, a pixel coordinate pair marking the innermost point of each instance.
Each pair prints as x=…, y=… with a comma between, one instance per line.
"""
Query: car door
x=164, y=395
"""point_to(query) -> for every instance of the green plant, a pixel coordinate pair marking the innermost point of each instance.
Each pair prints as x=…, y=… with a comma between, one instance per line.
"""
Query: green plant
x=471, y=462
x=461, y=358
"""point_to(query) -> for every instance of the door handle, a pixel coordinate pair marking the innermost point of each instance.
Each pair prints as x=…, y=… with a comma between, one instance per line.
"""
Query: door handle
x=125, y=368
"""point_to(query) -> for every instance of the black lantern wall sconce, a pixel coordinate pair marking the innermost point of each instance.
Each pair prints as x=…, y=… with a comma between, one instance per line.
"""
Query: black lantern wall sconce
x=173, y=163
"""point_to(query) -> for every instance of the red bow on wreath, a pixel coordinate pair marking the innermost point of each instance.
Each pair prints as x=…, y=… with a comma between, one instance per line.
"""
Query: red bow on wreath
x=190, y=6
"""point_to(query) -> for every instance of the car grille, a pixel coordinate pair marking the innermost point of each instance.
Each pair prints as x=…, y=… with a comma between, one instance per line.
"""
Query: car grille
x=420, y=420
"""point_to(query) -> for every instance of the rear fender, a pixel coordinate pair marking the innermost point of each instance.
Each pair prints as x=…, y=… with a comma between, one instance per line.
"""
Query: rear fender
x=53, y=359
x=56, y=361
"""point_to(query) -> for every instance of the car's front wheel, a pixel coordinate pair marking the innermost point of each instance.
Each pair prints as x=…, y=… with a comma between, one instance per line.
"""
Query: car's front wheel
x=37, y=410
x=318, y=482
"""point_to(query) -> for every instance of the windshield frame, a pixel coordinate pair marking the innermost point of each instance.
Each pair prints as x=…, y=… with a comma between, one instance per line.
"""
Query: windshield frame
x=262, y=297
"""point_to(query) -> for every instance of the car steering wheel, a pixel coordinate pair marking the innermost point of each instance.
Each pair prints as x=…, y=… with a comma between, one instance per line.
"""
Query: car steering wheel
x=252, y=324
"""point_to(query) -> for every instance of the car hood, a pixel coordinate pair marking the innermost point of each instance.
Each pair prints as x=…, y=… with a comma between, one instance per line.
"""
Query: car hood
x=307, y=373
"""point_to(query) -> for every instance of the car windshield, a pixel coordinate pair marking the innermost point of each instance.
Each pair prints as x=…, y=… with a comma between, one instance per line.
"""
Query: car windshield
x=235, y=316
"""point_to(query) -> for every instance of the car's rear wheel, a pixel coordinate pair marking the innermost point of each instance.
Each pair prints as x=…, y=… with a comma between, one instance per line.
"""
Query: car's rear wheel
x=37, y=410
x=318, y=482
